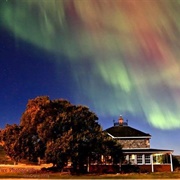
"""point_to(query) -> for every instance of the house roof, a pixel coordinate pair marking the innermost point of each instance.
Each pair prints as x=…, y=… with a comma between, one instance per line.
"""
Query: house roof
x=146, y=151
x=122, y=131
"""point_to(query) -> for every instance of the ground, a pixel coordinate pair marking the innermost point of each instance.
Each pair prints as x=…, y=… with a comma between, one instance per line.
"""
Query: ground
x=34, y=171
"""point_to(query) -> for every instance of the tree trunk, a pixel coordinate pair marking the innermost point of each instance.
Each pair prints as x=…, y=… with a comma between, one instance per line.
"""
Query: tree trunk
x=81, y=165
x=74, y=164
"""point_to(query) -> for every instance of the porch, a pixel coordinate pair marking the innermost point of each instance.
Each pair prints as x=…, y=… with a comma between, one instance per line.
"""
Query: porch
x=149, y=160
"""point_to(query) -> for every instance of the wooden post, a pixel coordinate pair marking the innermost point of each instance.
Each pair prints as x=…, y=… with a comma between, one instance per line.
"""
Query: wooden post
x=39, y=160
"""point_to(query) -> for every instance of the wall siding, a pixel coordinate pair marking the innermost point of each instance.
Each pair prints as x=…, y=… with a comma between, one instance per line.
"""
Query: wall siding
x=134, y=143
x=128, y=168
x=157, y=168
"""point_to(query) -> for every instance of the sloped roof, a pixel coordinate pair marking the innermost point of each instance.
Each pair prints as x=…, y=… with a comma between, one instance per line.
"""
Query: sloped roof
x=125, y=131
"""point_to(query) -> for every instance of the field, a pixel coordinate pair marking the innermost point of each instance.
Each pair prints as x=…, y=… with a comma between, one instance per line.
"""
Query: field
x=34, y=171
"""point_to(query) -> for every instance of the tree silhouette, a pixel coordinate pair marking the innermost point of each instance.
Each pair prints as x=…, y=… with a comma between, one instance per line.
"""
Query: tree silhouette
x=58, y=132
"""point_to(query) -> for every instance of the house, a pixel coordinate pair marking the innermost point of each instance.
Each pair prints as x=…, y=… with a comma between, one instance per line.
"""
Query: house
x=137, y=150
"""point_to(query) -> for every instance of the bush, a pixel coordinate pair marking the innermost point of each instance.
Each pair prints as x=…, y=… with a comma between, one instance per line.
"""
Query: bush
x=130, y=169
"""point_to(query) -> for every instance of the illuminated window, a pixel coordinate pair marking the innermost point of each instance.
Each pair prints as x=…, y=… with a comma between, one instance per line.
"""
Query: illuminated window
x=158, y=158
x=132, y=159
x=139, y=159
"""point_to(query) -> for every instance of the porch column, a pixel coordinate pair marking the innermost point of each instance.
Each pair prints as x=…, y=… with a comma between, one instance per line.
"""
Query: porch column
x=152, y=166
x=127, y=159
x=143, y=159
x=171, y=162
x=135, y=159
x=88, y=164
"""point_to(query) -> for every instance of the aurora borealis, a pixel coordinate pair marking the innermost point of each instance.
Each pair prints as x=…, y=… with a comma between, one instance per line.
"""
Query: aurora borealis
x=123, y=55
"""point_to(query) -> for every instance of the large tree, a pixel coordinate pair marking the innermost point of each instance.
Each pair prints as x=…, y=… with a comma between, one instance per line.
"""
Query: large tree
x=57, y=131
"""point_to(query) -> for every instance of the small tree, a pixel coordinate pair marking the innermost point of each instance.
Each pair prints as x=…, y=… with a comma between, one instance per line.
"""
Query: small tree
x=9, y=139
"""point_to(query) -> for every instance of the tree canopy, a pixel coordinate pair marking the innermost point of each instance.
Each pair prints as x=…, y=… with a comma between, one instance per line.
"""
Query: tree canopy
x=58, y=132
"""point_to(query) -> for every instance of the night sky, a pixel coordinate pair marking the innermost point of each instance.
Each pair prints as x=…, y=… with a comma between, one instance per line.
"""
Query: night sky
x=118, y=57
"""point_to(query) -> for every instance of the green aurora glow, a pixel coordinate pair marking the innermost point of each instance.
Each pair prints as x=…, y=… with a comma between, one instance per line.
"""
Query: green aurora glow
x=132, y=48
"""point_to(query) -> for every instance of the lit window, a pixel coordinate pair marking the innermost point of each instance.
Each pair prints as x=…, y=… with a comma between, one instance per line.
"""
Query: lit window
x=132, y=159
x=158, y=158
x=139, y=159
x=147, y=159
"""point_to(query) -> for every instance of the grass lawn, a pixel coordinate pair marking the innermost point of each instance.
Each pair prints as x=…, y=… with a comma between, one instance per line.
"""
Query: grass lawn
x=29, y=171
x=112, y=176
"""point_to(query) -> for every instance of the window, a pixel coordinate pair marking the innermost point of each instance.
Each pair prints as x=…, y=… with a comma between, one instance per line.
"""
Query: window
x=132, y=159
x=158, y=158
x=147, y=159
x=139, y=159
